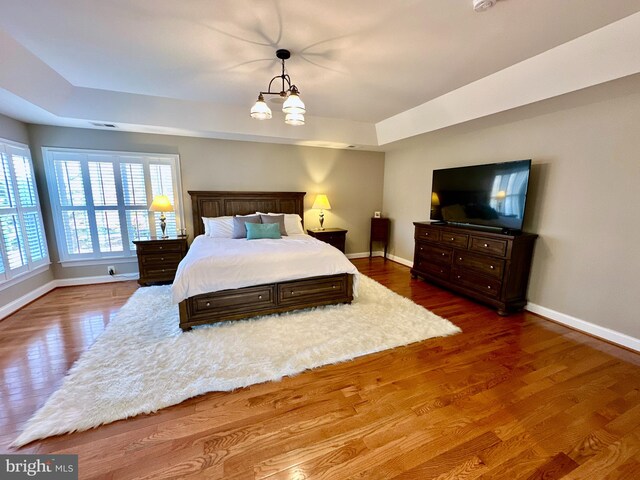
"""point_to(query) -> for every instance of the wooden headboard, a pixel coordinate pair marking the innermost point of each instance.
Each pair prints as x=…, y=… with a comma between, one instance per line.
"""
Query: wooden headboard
x=219, y=204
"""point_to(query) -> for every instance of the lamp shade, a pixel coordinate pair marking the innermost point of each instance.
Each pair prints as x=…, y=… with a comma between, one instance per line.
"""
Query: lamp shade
x=322, y=202
x=294, y=119
x=260, y=109
x=293, y=104
x=161, y=203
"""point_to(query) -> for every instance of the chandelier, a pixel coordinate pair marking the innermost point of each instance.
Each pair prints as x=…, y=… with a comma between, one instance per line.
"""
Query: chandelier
x=293, y=107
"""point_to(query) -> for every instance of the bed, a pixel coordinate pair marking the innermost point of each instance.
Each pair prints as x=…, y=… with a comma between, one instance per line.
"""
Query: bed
x=264, y=298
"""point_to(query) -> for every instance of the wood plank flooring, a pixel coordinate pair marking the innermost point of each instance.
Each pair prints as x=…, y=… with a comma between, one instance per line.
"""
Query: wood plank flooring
x=515, y=397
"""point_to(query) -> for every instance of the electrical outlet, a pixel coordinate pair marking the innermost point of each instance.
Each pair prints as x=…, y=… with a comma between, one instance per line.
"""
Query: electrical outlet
x=111, y=270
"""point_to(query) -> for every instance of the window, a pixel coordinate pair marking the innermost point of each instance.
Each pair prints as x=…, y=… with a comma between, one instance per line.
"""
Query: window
x=100, y=200
x=22, y=241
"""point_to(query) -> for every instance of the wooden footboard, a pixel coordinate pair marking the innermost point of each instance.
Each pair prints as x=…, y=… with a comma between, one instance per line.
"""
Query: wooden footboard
x=266, y=299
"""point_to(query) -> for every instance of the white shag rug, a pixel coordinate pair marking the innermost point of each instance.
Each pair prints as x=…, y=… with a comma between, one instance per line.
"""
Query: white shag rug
x=143, y=362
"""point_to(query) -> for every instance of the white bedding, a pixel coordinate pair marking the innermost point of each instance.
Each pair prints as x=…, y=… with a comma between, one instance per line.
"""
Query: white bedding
x=214, y=264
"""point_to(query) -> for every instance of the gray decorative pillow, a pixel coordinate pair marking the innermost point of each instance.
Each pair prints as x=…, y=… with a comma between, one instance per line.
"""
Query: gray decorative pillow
x=279, y=219
x=239, y=229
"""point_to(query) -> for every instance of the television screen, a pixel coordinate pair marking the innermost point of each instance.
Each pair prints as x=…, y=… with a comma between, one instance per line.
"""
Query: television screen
x=492, y=195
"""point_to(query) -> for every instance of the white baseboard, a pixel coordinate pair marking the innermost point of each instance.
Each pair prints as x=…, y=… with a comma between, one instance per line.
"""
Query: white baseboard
x=400, y=260
x=605, y=333
x=380, y=253
x=72, y=282
x=18, y=303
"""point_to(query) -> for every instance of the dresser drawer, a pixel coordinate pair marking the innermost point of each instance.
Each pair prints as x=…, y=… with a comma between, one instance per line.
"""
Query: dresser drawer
x=456, y=239
x=333, y=239
x=159, y=272
x=433, y=253
x=479, y=283
x=168, y=259
x=301, y=291
x=491, y=266
x=426, y=233
x=488, y=245
x=236, y=300
x=437, y=269
x=159, y=247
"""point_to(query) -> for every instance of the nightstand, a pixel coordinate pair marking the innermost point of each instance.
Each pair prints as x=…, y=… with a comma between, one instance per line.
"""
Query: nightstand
x=158, y=258
x=332, y=236
x=379, y=233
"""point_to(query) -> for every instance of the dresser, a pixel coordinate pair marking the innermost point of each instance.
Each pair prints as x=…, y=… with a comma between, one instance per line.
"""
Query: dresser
x=333, y=236
x=490, y=267
x=158, y=259
x=379, y=233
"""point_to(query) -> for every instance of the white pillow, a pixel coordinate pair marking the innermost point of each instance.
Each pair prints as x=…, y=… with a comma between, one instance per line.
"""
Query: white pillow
x=205, y=222
x=292, y=223
x=219, y=227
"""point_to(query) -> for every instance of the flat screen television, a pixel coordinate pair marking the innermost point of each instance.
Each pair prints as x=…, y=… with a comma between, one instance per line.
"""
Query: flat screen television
x=491, y=196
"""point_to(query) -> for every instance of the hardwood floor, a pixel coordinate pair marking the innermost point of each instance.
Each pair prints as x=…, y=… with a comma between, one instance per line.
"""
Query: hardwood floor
x=515, y=397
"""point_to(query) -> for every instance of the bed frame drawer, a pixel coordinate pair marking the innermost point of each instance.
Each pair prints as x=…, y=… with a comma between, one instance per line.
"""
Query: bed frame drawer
x=250, y=298
x=309, y=290
x=265, y=299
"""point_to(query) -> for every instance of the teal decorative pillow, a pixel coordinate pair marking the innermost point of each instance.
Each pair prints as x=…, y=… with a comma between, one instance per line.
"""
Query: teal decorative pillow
x=262, y=230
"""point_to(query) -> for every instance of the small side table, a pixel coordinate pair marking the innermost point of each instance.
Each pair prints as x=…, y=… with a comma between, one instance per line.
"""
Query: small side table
x=158, y=258
x=332, y=236
x=379, y=233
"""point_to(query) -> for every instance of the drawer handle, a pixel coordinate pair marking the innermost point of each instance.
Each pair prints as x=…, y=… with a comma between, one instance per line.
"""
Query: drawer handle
x=259, y=297
x=161, y=247
x=161, y=258
x=489, y=287
x=292, y=292
x=441, y=271
x=460, y=258
x=208, y=304
x=421, y=248
x=443, y=254
x=459, y=276
x=486, y=244
x=492, y=267
x=452, y=239
x=163, y=269
x=333, y=286
x=426, y=234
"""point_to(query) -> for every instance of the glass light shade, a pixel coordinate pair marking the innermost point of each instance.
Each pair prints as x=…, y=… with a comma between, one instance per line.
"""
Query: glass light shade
x=294, y=119
x=321, y=202
x=161, y=203
x=293, y=104
x=261, y=110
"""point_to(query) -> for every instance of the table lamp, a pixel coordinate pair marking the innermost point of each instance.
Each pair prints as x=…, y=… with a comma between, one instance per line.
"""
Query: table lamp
x=161, y=203
x=321, y=203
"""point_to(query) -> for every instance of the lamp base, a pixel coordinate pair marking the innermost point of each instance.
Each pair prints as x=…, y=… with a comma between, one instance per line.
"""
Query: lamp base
x=163, y=226
x=321, y=220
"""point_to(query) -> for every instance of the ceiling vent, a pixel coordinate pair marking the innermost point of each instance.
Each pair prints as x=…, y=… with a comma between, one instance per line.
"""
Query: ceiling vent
x=107, y=125
x=482, y=5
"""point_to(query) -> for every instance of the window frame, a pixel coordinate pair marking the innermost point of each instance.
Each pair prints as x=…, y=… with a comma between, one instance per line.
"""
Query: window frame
x=11, y=276
x=116, y=159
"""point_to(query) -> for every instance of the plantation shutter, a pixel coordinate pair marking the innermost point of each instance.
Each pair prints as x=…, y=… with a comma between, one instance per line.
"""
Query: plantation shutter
x=100, y=200
x=22, y=240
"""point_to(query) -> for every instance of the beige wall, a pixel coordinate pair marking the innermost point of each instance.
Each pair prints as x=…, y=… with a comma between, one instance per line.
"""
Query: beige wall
x=584, y=200
x=11, y=129
x=351, y=179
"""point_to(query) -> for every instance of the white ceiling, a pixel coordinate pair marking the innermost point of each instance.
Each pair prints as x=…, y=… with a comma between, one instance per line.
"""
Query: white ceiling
x=194, y=67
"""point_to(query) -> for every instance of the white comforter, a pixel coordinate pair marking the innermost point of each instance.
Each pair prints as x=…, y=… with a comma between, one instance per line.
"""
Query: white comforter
x=214, y=264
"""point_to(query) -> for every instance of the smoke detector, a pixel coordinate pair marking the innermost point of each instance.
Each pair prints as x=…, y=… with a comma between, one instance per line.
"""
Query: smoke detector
x=482, y=5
